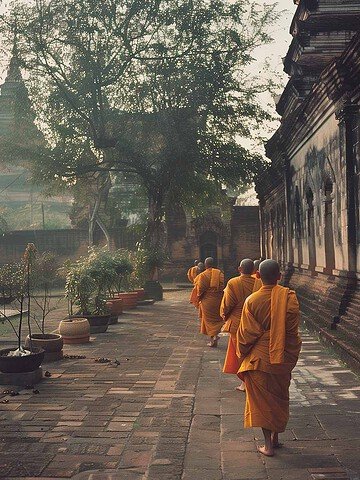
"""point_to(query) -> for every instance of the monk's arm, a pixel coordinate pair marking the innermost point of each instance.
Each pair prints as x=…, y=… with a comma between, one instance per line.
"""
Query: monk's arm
x=228, y=302
x=189, y=276
x=248, y=333
x=202, y=285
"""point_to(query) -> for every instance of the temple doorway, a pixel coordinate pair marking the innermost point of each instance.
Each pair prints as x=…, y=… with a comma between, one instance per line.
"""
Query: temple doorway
x=208, y=245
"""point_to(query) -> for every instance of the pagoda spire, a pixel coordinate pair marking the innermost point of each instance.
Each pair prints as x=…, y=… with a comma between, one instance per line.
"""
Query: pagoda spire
x=13, y=75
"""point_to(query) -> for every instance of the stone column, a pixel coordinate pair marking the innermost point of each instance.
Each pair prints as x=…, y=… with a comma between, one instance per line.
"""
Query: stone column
x=346, y=115
x=262, y=229
x=288, y=207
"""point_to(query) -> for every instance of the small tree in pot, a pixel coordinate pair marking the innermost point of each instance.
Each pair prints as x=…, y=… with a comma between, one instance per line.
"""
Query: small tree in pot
x=43, y=278
x=20, y=359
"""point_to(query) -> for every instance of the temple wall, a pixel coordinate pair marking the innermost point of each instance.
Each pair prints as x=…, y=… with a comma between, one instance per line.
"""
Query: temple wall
x=318, y=166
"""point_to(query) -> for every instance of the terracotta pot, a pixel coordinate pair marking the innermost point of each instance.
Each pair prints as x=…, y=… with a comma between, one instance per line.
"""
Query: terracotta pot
x=141, y=294
x=52, y=344
x=75, y=330
x=129, y=299
x=115, y=305
x=27, y=363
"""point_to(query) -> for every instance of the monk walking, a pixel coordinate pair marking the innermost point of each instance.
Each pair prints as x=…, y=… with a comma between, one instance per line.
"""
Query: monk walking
x=258, y=282
x=235, y=294
x=268, y=344
x=193, y=296
x=208, y=291
x=193, y=272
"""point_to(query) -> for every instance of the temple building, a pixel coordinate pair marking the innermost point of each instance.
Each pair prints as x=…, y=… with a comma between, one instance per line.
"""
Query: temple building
x=309, y=196
x=23, y=205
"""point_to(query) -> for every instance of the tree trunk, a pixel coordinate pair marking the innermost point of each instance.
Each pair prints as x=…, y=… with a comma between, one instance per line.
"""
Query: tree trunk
x=155, y=233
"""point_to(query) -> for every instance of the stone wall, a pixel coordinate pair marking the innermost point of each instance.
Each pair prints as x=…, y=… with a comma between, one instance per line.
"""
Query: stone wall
x=65, y=243
x=226, y=236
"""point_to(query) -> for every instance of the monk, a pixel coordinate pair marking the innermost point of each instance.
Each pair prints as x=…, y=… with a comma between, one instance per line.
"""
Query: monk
x=258, y=282
x=235, y=294
x=208, y=293
x=193, y=297
x=268, y=344
x=193, y=272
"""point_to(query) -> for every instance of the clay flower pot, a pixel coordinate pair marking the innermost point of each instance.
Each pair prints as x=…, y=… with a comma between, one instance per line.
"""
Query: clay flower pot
x=27, y=363
x=129, y=299
x=75, y=330
x=51, y=343
x=115, y=305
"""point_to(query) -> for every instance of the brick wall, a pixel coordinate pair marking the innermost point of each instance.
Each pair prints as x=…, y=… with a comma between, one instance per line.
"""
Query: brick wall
x=65, y=243
x=245, y=233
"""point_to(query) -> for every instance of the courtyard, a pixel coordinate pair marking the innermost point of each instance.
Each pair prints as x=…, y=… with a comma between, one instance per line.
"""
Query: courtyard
x=148, y=400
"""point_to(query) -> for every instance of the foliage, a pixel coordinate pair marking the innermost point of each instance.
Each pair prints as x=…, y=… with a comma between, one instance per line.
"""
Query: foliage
x=43, y=279
x=16, y=281
x=123, y=266
x=148, y=264
x=159, y=89
x=91, y=279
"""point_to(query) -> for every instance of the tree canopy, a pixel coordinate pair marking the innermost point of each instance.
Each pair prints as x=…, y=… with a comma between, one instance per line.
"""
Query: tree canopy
x=160, y=89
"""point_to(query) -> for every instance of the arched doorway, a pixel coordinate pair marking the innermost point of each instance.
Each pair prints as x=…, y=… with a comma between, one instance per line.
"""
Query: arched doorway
x=329, y=229
x=311, y=230
x=208, y=245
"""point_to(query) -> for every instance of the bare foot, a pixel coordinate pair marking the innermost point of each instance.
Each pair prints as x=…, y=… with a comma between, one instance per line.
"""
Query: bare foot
x=241, y=387
x=265, y=451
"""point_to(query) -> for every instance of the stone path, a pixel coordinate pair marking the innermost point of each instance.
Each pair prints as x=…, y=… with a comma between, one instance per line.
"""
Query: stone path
x=168, y=413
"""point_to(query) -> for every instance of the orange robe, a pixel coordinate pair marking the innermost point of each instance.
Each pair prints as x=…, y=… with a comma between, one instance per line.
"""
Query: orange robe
x=257, y=284
x=268, y=344
x=209, y=287
x=192, y=273
x=235, y=294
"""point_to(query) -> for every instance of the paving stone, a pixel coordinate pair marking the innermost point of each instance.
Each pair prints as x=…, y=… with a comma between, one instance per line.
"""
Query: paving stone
x=168, y=413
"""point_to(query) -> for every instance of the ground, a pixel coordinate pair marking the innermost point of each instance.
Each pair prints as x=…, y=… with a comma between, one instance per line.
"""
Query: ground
x=166, y=412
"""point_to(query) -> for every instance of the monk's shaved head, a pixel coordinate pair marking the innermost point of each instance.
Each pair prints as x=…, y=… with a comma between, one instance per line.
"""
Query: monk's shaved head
x=209, y=262
x=256, y=265
x=246, y=266
x=269, y=272
x=196, y=262
x=201, y=266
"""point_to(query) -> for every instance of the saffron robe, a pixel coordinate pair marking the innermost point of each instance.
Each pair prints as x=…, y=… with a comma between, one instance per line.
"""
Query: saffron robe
x=235, y=294
x=257, y=283
x=192, y=273
x=268, y=345
x=207, y=297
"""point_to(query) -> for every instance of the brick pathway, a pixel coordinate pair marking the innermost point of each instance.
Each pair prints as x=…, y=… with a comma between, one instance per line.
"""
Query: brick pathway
x=168, y=413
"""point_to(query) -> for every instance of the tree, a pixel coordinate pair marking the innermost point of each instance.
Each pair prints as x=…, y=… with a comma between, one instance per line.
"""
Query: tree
x=159, y=89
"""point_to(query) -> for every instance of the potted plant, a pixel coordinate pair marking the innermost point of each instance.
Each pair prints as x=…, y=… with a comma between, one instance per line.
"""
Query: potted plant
x=148, y=265
x=123, y=269
x=19, y=359
x=43, y=278
x=86, y=288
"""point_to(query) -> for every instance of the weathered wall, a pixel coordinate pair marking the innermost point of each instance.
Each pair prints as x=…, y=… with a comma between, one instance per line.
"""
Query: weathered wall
x=227, y=238
x=319, y=178
x=64, y=243
x=245, y=233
